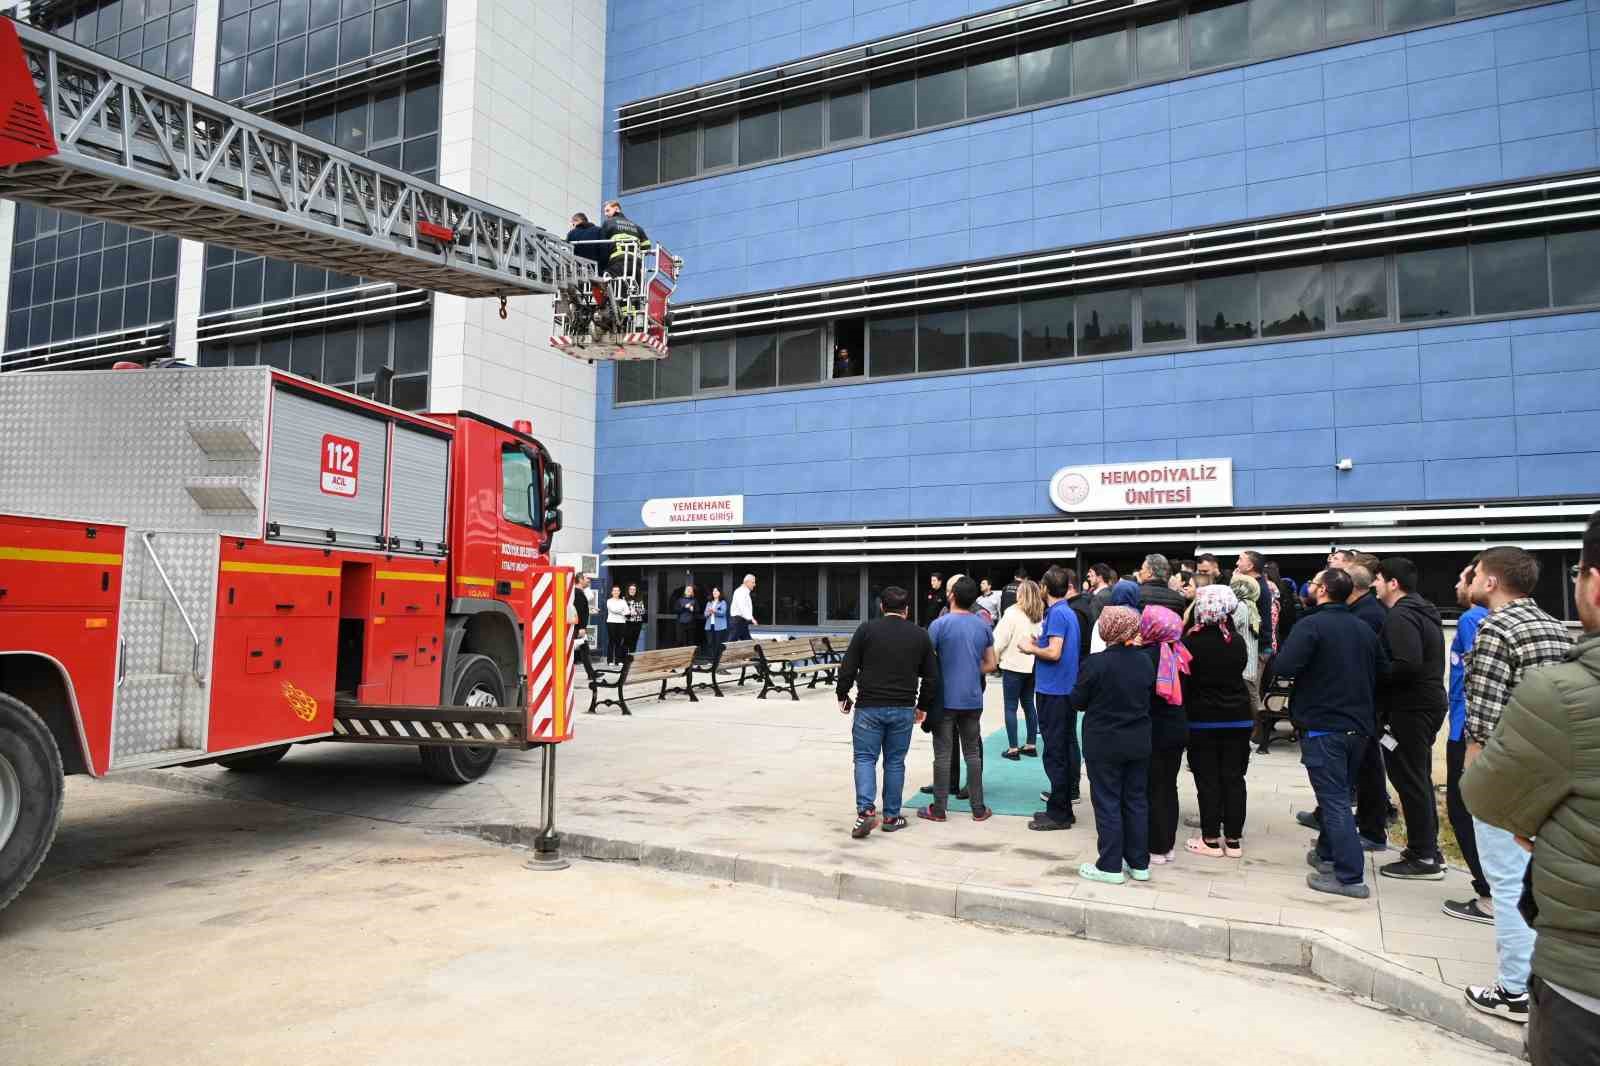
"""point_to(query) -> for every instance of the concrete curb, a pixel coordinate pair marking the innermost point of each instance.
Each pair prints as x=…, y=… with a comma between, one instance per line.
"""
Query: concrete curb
x=1284, y=948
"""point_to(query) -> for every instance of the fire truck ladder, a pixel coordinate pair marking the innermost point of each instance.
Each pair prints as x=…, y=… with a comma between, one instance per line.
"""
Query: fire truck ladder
x=118, y=143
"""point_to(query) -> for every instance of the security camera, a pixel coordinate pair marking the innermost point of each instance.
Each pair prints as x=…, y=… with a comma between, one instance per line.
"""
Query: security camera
x=1345, y=464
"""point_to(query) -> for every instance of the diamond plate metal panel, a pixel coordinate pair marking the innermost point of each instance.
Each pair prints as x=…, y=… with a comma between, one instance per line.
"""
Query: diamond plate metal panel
x=148, y=716
x=115, y=446
x=141, y=629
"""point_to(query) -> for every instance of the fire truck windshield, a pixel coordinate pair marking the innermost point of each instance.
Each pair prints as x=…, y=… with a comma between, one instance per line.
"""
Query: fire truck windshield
x=517, y=487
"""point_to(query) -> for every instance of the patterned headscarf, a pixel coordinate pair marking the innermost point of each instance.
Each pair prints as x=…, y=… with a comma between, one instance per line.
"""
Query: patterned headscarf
x=1118, y=625
x=1248, y=591
x=1158, y=625
x=1125, y=594
x=1213, y=605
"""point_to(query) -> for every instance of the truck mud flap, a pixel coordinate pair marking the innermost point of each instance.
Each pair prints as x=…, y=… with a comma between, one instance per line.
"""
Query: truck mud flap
x=466, y=727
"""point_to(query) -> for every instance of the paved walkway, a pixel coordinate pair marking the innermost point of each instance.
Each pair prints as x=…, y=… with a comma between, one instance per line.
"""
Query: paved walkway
x=772, y=779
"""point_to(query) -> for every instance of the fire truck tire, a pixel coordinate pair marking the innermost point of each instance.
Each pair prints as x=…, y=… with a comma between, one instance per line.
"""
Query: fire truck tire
x=252, y=761
x=31, y=787
x=478, y=684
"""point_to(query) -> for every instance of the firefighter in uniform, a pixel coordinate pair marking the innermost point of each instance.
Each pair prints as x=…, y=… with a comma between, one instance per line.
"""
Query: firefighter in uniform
x=628, y=244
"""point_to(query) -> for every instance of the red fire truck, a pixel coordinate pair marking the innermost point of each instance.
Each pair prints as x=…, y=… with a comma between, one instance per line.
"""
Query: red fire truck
x=211, y=565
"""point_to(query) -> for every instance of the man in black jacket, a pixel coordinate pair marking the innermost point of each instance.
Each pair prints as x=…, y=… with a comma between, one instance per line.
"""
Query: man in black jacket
x=585, y=238
x=1336, y=662
x=1413, y=706
x=1364, y=602
x=1083, y=603
x=1009, y=595
x=891, y=663
x=624, y=234
x=580, y=609
x=934, y=601
x=1153, y=589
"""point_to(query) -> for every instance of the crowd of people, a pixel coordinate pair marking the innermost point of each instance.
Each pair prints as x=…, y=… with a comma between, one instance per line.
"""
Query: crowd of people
x=1119, y=679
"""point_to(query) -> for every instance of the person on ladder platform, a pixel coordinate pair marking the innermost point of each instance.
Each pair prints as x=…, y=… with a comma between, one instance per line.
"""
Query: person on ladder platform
x=628, y=240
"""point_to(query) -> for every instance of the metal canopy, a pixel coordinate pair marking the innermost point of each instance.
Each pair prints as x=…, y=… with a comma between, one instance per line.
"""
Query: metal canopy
x=147, y=152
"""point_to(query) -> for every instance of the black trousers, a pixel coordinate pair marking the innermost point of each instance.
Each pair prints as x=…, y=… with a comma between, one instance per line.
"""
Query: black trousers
x=1560, y=1033
x=630, y=636
x=1162, y=790
x=687, y=633
x=1410, y=769
x=1121, y=814
x=1063, y=764
x=616, y=641
x=950, y=730
x=581, y=652
x=1455, y=756
x=1218, y=759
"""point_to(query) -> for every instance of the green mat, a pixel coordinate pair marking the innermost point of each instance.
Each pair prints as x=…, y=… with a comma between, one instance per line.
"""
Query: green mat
x=1008, y=787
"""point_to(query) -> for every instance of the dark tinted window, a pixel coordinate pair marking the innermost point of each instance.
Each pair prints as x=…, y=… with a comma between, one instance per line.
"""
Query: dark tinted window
x=1047, y=327
x=844, y=116
x=679, y=149
x=1160, y=49
x=802, y=126
x=1225, y=308
x=675, y=373
x=796, y=587
x=892, y=346
x=755, y=360
x=1293, y=300
x=1433, y=283
x=1349, y=17
x=941, y=341
x=992, y=84
x=1575, y=265
x=715, y=359
x=635, y=380
x=941, y=95
x=717, y=144
x=1100, y=61
x=844, y=593
x=1509, y=276
x=1219, y=35
x=992, y=334
x=1361, y=290
x=1105, y=322
x=1402, y=13
x=1165, y=314
x=641, y=160
x=1045, y=71
x=758, y=135
x=1278, y=26
x=800, y=357
x=893, y=106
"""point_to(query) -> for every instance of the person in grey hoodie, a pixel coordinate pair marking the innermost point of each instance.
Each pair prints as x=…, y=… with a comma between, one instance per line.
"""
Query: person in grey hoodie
x=1412, y=705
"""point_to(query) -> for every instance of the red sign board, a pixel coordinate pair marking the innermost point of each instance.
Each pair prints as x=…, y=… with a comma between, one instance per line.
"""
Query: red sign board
x=341, y=465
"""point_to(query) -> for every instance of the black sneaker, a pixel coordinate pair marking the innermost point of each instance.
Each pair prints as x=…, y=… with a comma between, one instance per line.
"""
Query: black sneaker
x=1468, y=911
x=1413, y=870
x=1320, y=882
x=1368, y=844
x=1308, y=819
x=866, y=822
x=895, y=824
x=1041, y=822
x=1321, y=865
x=1500, y=1003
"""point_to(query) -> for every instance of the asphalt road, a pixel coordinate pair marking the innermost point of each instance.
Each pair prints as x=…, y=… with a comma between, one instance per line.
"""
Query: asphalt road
x=174, y=928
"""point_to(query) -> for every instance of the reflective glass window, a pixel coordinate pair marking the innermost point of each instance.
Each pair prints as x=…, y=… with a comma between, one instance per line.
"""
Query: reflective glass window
x=802, y=126
x=1044, y=71
x=892, y=106
x=1432, y=283
x=675, y=373
x=1279, y=26
x=1361, y=290
x=1219, y=34
x=800, y=357
x=641, y=160
x=1225, y=308
x=941, y=95
x=758, y=135
x=1046, y=328
x=992, y=83
x=844, y=116
x=1164, y=310
x=1160, y=49
x=716, y=359
x=1347, y=18
x=993, y=334
x=1293, y=300
x=756, y=361
x=1402, y=13
x=1575, y=267
x=717, y=144
x=1509, y=275
x=892, y=346
x=941, y=341
x=1100, y=61
x=1105, y=322
x=679, y=151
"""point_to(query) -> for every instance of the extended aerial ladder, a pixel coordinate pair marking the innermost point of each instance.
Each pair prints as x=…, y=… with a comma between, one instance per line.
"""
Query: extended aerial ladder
x=83, y=132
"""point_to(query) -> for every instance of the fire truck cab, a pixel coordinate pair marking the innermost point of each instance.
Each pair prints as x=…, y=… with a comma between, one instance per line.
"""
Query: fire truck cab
x=211, y=565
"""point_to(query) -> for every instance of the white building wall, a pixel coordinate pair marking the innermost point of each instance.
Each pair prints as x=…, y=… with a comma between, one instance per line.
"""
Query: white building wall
x=522, y=127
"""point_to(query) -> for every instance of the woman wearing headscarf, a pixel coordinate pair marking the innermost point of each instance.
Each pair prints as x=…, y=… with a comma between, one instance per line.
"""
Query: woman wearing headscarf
x=1218, y=705
x=1124, y=593
x=1247, y=622
x=1113, y=698
x=1161, y=637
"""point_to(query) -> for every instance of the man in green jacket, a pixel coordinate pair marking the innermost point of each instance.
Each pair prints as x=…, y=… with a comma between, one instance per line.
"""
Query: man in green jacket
x=1539, y=777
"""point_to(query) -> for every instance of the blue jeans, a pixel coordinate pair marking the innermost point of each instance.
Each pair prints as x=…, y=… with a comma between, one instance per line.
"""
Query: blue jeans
x=1332, y=762
x=1018, y=688
x=1118, y=790
x=1504, y=863
x=886, y=730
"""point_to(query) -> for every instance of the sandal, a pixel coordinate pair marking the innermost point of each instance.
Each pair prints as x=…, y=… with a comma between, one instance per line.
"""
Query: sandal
x=1014, y=754
x=1201, y=846
x=1232, y=849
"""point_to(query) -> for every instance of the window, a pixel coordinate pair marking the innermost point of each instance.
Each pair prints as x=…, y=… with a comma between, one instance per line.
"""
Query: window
x=635, y=380
x=796, y=596
x=890, y=576
x=516, y=484
x=1348, y=18
x=270, y=45
x=800, y=357
x=1279, y=26
x=758, y=135
x=1100, y=61
x=1046, y=328
x=1360, y=290
x=1165, y=314
x=844, y=116
x=844, y=594
x=1161, y=49
x=679, y=149
x=893, y=106
x=716, y=358
x=991, y=84
x=756, y=361
x=942, y=95
x=641, y=159
x=1225, y=308
x=1045, y=72
x=892, y=346
x=1432, y=283
x=941, y=341
x=1293, y=300
x=1509, y=275
x=1219, y=34
x=1105, y=322
x=802, y=126
x=1575, y=266
x=675, y=373
x=716, y=145
x=992, y=336
x=1403, y=13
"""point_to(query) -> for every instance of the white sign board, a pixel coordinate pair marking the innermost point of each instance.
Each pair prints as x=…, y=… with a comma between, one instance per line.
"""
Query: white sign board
x=1181, y=483
x=683, y=511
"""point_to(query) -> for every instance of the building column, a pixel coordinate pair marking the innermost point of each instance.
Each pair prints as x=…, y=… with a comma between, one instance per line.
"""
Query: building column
x=192, y=254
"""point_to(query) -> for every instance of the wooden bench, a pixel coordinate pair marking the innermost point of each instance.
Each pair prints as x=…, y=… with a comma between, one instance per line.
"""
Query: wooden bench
x=738, y=654
x=664, y=665
x=783, y=662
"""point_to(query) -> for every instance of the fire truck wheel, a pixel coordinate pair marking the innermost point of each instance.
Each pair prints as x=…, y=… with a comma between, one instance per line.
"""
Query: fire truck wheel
x=478, y=684
x=30, y=795
x=251, y=761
